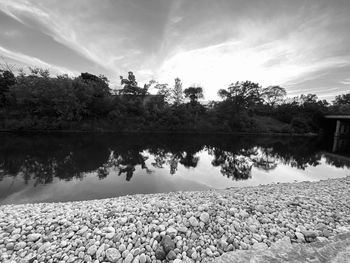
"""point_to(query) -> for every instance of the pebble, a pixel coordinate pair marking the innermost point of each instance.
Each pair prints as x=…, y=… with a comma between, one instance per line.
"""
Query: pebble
x=178, y=227
x=204, y=217
x=193, y=221
x=112, y=254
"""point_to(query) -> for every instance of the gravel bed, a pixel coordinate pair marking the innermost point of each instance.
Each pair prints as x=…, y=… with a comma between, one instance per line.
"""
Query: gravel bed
x=174, y=227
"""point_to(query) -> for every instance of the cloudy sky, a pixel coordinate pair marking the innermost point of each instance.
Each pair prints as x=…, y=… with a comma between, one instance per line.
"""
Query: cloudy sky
x=302, y=45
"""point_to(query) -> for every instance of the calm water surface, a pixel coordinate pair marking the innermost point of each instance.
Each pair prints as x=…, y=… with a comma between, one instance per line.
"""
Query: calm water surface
x=67, y=167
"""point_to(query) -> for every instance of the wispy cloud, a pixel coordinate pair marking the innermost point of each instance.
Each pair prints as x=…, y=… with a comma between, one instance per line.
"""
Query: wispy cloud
x=345, y=81
x=296, y=44
x=32, y=61
x=51, y=24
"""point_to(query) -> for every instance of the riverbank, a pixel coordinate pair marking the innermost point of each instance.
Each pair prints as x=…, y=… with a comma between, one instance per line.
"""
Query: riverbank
x=187, y=226
x=102, y=131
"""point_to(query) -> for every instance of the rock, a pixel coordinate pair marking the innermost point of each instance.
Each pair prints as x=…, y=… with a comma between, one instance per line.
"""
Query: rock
x=123, y=220
x=257, y=237
x=33, y=237
x=44, y=247
x=100, y=250
x=136, y=251
x=260, y=208
x=282, y=245
x=63, y=243
x=109, y=232
x=171, y=231
x=160, y=253
x=171, y=255
x=309, y=234
x=129, y=258
x=182, y=229
x=204, y=217
x=10, y=246
x=260, y=246
x=167, y=243
x=82, y=230
x=209, y=252
x=193, y=221
x=300, y=236
x=122, y=248
x=243, y=214
x=92, y=250
x=20, y=245
x=112, y=254
x=321, y=239
x=142, y=258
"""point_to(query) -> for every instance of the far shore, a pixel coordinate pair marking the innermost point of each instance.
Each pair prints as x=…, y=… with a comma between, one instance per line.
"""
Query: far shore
x=309, y=134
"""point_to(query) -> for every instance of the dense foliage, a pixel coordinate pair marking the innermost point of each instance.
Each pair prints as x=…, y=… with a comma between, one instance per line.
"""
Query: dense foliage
x=38, y=101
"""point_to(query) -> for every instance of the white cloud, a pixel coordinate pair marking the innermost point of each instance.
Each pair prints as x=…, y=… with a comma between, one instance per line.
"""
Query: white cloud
x=52, y=24
x=345, y=81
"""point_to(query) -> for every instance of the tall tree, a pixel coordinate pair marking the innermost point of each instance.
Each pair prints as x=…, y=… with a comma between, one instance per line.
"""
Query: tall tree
x=194, y=93
x=242, y=94
x=164, y=90
x=7, y=79
x=177, y=92
x=343, y=99
x=274, y=95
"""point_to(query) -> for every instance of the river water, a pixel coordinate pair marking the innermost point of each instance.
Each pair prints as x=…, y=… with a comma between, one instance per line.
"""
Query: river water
x=70, y=167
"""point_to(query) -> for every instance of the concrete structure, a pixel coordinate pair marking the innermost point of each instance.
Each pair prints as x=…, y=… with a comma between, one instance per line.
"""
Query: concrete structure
x=342, y=127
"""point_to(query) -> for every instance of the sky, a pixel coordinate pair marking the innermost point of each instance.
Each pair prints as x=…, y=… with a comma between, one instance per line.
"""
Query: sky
x=301, y=45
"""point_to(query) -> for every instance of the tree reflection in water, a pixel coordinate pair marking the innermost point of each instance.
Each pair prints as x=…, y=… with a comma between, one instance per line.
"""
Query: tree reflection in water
x=233, y=165
x=41, y=158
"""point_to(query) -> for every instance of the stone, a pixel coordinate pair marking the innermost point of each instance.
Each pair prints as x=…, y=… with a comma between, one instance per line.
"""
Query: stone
x=193, y=221
x=129, y=258
x=260, y=208
x=167, y=243
x=112, y=254
x=142, y=258
x=92, y=250
x=171, y=231
x=182, y=229
x=109, y=232
x=82, y=230
x=136, y=251
x=33, y=237
x=160, y=253
x=300, y=236
x=309, y=234
x=204, y=217
x=122, y=248
x=20, y=245
x=44, y=247
x=171, y=255
x=10, y=246
x=260, y=246
x=100, y=250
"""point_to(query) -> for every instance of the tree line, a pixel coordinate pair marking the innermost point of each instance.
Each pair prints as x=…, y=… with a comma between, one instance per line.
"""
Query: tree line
x=36, y=100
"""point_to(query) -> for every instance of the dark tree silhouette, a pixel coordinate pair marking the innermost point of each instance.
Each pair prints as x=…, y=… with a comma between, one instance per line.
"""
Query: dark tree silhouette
x=194, y=94
x=274, y=95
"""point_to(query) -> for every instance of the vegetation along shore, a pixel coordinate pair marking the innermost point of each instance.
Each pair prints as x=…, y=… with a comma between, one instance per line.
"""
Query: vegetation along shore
x=35, y=100
x=175, y=227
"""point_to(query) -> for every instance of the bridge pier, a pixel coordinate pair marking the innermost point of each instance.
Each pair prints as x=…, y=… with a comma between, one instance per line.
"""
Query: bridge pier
x=342, y=128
